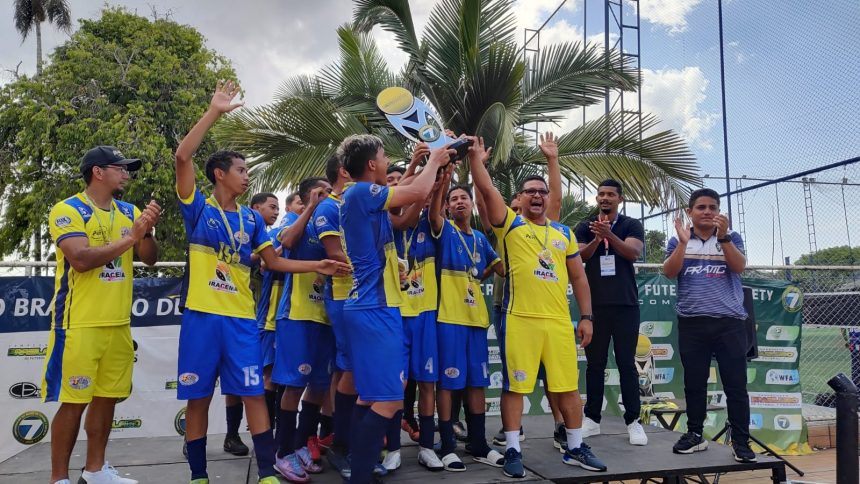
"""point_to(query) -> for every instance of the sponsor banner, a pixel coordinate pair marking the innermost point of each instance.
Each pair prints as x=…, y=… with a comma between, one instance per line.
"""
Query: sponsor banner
x=775, y=400
x=777, y=354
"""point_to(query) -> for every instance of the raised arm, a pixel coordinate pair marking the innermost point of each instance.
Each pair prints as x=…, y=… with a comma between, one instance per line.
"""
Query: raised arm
x=497, y=210
x=549, y=148
x=437, y=217
x=291, y=235
x=735, y=259
x=417, y=191
x=420, y=154
x=407, y=218
x=675, y=262
x=222, y=102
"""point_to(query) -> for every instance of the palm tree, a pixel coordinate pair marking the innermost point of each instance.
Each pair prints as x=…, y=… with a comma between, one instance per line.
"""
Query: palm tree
x=29, y=15
x=468, y=65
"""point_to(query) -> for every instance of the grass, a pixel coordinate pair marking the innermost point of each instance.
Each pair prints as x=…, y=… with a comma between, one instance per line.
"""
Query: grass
x=823, y=354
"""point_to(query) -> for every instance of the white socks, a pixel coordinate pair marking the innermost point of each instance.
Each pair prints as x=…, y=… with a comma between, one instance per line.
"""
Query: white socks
x=574, y=438
x=512, y=440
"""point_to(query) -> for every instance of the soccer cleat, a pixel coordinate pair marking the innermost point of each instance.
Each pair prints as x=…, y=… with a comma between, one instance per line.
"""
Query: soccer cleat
x=107, y=475
x=637, y=434
x=233, y=445
x=429, y=459
x=583, y=457
x=589, y=427
x=290, y=467
x=500, y=438
x=392, y=461
x=307, y=461
x=326, y=443
x=63, y=481
x=514, y=464
x=743, y=453
x=689, y=443
x=337, y=460
x=269, y=480
x=314, y=448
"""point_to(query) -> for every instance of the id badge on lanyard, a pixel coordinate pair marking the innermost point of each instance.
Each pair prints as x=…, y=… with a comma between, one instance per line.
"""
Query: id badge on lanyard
x=607, y=261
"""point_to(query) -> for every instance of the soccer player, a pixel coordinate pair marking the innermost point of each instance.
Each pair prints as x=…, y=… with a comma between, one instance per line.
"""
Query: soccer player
x=708, y=260
x=375, y=329
x=540, y=256
x=305, y=343
x=465, y=258
x=610, y=242
x=394, y=174
x=90, y=351
x=294, y=205
x=219, y=334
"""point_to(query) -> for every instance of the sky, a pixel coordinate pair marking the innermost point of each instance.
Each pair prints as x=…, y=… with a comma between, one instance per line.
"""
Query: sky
x=791, y=84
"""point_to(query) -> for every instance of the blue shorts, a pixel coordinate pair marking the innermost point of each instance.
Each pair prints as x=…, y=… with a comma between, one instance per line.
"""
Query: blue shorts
x=267, y=346
x=334, y=310
x=464, y=358
x=305, y=354
x=376, y=340
x=212, y=346
x=419, y=336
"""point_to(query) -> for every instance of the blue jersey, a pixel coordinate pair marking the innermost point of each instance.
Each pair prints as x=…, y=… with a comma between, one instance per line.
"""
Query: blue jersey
x=302, y=299
x=461, y=262
x=273, y=281
x=218, y=274
x=416, y=246
x=706, y=286
x=326, y=223
x=369, y=242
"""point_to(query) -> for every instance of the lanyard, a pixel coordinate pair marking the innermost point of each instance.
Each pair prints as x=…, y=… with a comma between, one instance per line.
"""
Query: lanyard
x=407, y=243
x=96, y=210
x=227, y=225
x=473, y=254
x=545, y=251
x=606, y=241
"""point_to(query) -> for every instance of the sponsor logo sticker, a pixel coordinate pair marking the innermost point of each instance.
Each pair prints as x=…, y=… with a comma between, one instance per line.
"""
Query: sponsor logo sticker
x=187, y=379
x=783, y=354
x=782, y=333
x=656, y=329
x=787, y=422
x=179, y=421
x=62, y=221
x=774, y=400
x=79, y=382
x=776, y=376
x=30, y=427
x=792, y=299
x=24, y=389
x=305, y=369
x=452, y=372
x=519, y=375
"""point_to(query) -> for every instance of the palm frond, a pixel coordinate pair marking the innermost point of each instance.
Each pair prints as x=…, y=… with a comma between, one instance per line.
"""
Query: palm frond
x=24, y=18
x=58, y=13
x=394, y=16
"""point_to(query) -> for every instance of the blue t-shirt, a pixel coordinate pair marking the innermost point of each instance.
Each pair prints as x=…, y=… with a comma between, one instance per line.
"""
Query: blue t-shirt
x=326, y=223
x=302, y=299
x=273, y=281
x=706, y=286
x=369, y=242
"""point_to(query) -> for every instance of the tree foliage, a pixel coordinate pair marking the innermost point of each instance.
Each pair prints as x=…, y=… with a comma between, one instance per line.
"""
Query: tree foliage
x=468, y=65
x=655, y=246
x=120, y=80
x=841, y=280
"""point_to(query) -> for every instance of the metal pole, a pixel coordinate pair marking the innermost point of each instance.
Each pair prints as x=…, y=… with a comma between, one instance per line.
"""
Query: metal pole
x=846, y=429
x=723, y=93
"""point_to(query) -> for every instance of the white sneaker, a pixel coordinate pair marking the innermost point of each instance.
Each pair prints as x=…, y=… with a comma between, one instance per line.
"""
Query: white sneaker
x=391, y=462
x=637, y=434
x=589, y=427
x=108, y=475
x=429, y=459
x=63, y=481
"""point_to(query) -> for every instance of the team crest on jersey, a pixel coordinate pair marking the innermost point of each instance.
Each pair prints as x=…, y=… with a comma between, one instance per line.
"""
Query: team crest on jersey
x=316, y=294
x=415, y=286
x=470, y=299
x=62, y=221
x=125, y=211
x=79, y=382
x=223, y=281
x=241, y=237
x=113, y=271
x=305, y=369
x=250, y=217
x=84, y=211
x=188, y=379
x=124, y=231
x=519, y=375
x=213, y=224
x=321, y=221
x=375, y=189
x=452, y=372
x=546, y=267
x=558, y=244
x=420, y=237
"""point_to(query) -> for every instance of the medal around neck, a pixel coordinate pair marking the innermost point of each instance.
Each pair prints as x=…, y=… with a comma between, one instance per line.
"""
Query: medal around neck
x=412, y=117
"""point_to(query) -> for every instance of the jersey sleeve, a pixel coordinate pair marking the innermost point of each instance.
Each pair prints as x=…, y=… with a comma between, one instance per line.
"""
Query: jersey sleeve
x=670, y=248
x=373, y=197
x=191, y=208
x=65, y=222
x=501, y=230
x=738, y=241
x=325, y=221
x=259, y=239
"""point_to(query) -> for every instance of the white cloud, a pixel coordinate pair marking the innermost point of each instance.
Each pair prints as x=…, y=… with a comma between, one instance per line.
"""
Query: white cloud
x=675, y=95
x=670, y=14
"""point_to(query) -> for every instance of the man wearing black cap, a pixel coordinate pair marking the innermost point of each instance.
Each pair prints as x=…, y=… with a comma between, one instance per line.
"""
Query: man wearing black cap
x=90, y=352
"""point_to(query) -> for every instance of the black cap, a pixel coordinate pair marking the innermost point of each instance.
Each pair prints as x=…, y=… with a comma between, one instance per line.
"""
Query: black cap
x=107, y=155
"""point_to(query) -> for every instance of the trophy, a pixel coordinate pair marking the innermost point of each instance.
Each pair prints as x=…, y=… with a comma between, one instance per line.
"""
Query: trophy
x=416, y=120
x=645, y=366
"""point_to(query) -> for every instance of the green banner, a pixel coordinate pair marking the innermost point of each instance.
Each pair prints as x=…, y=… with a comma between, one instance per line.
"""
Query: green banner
x=773, y=379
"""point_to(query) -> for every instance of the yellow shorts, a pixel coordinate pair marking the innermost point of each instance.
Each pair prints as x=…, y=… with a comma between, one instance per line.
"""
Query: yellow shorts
x=83, y=363
x=526, y=342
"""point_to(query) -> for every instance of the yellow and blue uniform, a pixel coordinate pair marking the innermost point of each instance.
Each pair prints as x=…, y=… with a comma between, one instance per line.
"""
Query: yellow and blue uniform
x=417, y=247
x=536, y=326
x=463, y=319
x=305, y=343
x=90, y=350
x=219, y=335
x=326, y=223
x=375, y=329
x=270, y=295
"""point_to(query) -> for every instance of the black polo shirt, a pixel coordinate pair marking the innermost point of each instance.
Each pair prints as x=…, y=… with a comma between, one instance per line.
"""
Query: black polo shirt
x=620, y=289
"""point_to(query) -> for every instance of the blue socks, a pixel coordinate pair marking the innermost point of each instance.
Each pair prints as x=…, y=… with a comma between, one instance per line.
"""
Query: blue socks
x=326, y=428
x=234, y=418
x=197, y=458
x=366, y=445
x=343, y=410
x=309, y=418
x=272, y=405
x=426, y=429
x=286, y=431
x=477, y=425
x=264, y=449
x=446, y=435
x=393, y=434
